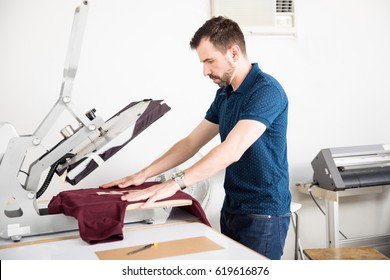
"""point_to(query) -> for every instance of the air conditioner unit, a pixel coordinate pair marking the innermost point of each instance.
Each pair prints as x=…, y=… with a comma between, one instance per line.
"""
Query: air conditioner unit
x=262, y=17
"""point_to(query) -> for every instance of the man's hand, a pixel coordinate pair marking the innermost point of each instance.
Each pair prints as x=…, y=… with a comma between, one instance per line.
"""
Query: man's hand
x=153, y=193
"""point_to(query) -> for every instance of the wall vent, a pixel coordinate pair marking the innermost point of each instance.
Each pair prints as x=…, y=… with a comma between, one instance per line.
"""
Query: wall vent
x=284, y=6
x=261, y=17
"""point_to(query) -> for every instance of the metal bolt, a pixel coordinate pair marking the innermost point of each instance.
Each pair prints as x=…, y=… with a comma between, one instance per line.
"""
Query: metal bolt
x=36, y=141
x=66, y=99
x=30, y=195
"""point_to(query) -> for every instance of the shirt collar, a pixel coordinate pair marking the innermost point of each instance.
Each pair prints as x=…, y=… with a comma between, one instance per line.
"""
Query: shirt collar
x=250, y=79
x=246, y=85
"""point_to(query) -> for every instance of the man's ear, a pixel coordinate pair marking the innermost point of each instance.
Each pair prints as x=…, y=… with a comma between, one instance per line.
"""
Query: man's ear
x=235, y=51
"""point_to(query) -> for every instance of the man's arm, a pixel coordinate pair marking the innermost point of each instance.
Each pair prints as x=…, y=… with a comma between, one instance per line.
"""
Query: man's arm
x=179, y=153
x=244, y=134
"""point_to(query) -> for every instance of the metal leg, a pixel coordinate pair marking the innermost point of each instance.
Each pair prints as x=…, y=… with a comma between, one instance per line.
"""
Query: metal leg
x=332, y=223
x=298, y=246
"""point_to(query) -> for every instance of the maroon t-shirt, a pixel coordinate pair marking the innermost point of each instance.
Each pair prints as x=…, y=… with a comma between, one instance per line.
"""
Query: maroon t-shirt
x=101, y=216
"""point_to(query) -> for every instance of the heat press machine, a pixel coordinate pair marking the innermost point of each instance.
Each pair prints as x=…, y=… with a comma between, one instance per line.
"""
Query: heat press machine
x=344, y=168
x=31, y=173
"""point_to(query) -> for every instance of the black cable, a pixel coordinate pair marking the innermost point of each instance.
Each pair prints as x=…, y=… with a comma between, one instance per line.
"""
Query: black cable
x=50, y=175
x=319, y=207
x=315, y=201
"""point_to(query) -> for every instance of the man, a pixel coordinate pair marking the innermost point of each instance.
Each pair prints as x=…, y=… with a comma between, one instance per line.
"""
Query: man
x=250, y=114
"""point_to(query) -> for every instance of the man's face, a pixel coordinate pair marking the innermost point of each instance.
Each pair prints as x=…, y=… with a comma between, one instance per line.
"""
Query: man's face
x=218, y=66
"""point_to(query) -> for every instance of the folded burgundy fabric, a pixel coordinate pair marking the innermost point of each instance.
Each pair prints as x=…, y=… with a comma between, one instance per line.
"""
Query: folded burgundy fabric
x=100, y=212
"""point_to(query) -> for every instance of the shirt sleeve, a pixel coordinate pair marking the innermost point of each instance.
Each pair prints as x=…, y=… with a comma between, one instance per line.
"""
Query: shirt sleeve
x=212, y=113
x=264, y=105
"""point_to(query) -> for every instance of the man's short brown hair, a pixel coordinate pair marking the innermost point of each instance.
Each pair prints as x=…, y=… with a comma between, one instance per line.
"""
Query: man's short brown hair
x=222, y=32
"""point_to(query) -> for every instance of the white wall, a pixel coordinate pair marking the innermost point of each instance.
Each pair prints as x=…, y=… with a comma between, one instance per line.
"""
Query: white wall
x=335, y=72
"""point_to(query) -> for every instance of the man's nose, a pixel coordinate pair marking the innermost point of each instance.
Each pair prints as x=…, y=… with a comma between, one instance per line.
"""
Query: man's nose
x=206, y=70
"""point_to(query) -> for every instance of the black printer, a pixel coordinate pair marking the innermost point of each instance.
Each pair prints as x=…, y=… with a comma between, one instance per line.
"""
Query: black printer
x=352, y=167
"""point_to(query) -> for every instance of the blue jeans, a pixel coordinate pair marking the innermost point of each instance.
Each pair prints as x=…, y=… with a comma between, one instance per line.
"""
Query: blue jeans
x=262, y=233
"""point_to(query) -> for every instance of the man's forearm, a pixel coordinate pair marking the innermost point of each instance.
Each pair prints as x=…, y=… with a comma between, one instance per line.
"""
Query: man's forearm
x=216, y=160
x=176, y=155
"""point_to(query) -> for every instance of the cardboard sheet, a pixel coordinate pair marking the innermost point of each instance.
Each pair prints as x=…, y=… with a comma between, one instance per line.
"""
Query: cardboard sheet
x=162, y=250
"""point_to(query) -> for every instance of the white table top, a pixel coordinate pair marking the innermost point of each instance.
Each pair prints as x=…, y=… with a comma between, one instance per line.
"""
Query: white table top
x=69, y=246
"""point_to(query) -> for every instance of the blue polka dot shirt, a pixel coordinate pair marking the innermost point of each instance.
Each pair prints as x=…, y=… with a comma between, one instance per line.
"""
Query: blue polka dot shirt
x=258, y=183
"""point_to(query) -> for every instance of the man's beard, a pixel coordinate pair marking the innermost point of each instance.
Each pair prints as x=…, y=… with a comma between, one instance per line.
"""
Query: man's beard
x=226, y=78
